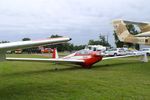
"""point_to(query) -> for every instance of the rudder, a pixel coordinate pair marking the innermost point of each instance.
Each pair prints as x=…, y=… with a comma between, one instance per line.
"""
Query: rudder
x=55, y=53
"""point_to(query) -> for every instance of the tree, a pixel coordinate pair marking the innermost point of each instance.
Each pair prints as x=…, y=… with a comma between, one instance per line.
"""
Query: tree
x=55, y=36
x=29, y=50
x=101, y=41
x=4, y=42
x=117, y=41
x=59, y=47
x=79, y=47
x=26, y=39
x=65, y=46
x=94, y=42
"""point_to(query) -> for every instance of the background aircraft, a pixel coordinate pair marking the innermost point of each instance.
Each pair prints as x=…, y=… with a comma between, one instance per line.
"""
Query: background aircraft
x=125, y=36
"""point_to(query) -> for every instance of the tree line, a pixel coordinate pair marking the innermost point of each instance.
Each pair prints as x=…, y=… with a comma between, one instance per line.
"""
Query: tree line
x=60, y=47
x=71, y=47
x=65, y=46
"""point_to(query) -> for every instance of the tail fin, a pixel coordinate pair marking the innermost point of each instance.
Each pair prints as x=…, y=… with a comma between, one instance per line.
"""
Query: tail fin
x=124, y=35
x=122, y=31
x=55, y=53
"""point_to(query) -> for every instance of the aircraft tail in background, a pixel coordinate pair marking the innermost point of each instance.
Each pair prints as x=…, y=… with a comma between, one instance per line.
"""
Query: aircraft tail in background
x=124, y=35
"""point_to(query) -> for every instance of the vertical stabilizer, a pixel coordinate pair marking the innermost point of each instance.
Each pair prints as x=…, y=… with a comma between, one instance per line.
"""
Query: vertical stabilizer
x=124, y=35
x=121, y=30
x=55, y=54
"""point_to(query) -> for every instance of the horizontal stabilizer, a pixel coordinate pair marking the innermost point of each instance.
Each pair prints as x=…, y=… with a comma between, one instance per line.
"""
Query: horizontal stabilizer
x=137, y=23
x=106, y=58
x=145, y=34
x=45, y=60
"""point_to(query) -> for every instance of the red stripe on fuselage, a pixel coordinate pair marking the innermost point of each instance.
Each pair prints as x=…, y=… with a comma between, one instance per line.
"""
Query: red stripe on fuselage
x=90, y=61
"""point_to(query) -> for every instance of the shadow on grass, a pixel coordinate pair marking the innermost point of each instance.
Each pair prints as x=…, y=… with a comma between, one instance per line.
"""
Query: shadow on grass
x=72, y=68
x=26, y=91
x=54, y=70
x=117, y=64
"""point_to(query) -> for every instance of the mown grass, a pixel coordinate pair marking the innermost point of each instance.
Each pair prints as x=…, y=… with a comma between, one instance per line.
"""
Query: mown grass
x=118, y=79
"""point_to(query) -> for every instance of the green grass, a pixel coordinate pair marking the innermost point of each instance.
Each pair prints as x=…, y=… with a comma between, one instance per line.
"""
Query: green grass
x=118, y=79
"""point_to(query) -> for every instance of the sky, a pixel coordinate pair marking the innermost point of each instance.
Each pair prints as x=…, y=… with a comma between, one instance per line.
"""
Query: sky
x=81, y=20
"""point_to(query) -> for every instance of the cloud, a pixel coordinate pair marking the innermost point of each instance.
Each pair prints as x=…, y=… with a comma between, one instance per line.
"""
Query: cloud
x=80, y=19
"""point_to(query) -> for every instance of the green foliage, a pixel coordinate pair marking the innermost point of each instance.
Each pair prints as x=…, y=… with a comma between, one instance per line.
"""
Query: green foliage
x=65, y=46
x=101, y=41
x=30, y=50
x=118, y=79
x=4, y=42
x=26, y=39
x=94, y=42
x=117, y=41
x=79, y=47
x=55, y=36
x=60, y=47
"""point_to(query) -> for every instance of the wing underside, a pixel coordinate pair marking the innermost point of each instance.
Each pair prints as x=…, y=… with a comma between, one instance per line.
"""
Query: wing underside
x=106, y=58
x=45, y=60
x=143, y=26
x=137, y=23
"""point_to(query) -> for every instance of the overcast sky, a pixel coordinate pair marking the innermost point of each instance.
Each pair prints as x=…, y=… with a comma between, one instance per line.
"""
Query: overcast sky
x=79, y=19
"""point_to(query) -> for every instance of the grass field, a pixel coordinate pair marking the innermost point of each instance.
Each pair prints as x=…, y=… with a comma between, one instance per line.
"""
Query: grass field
x=118, y=79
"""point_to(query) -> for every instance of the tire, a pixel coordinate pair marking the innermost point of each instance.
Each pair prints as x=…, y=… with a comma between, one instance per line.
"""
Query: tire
x=148, y=54
x=115, y=54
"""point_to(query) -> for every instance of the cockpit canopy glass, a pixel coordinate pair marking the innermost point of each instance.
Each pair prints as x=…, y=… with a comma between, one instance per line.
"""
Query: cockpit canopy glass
x=84, y=52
